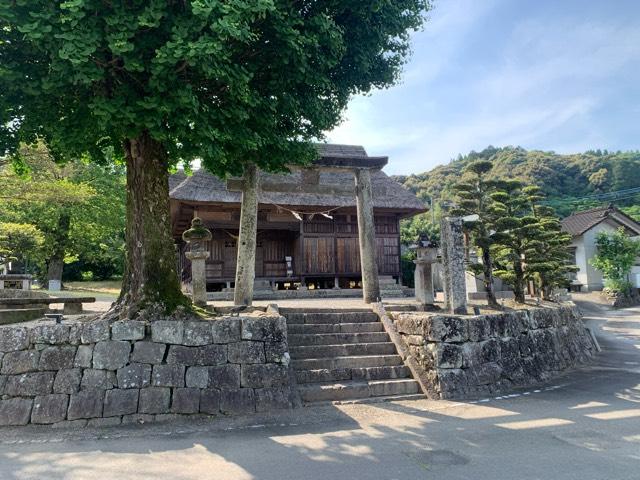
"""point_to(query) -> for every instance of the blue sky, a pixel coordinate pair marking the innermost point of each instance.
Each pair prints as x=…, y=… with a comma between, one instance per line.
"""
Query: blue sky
x=560, y=75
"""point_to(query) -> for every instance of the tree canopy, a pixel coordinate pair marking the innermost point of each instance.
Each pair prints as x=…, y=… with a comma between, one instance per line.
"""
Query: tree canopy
x=616, y=254
x=77, y=209
x=20, y=241
x=223, y=81
x=562, y=178
x=474, y=198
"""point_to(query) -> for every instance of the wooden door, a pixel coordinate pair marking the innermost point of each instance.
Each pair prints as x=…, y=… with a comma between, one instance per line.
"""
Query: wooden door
x=259, y=259
x=230, y=258
x=214, y=265
x=388, y=251
x=348, y=255
x=275, y=251
x=319, y=255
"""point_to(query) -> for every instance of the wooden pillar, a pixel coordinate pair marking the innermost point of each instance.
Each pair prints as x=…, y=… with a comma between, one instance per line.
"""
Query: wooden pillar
x=367, y=236
x=303, y=259
x=246, y=264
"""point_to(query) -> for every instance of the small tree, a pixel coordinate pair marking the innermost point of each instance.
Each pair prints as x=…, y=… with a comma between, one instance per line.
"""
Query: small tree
x=548, y=257
x=516, y=229
x=616, y=255
x=79, y=207
x=21, y=242
x=474, y=198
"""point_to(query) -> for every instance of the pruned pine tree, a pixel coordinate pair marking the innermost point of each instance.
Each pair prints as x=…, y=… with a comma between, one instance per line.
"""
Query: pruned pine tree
x=474, y=197
x=516, y=233
x=548, y=257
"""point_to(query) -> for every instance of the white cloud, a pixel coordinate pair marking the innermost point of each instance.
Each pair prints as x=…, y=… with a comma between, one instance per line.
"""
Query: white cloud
x=540, y=84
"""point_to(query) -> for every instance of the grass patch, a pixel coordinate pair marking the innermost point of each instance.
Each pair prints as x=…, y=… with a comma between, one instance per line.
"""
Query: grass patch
x=110, y=287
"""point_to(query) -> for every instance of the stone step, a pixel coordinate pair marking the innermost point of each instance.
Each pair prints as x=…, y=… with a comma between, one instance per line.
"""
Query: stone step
x=349, y=390
x=307, y=339
x=340, y=374
x=384, y=398
x=341, y=317
x=347, y=349
x=319, y=328
x=353, y=361
x=380, y=373
x=400, y=386
x=292, y=310
x=401, y=308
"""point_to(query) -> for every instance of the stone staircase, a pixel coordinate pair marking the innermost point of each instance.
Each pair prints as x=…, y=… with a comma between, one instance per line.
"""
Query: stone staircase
x=343, y=355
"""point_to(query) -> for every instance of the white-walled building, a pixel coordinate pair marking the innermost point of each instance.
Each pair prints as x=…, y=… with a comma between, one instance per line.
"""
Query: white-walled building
x=584, y=227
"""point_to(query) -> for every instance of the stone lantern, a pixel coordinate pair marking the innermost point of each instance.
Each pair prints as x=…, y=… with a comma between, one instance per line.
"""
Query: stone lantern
x=196, y=237
x=426, y=256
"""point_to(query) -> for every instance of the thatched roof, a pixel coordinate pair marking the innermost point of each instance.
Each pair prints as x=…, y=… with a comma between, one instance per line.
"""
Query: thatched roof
x=203, y=187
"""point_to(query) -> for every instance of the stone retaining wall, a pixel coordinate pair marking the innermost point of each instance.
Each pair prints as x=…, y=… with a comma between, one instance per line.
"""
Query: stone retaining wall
x=131, y=371
x=462, y=357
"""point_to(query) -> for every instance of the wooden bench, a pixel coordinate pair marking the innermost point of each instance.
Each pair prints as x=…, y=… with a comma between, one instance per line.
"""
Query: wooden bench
x=72, y=305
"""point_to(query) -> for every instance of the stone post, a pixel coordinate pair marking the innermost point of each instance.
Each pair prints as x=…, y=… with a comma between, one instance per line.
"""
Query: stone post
x=423, y=277
x=455, y=289
x=246, y=265
x=367, y=236
x=196, y=237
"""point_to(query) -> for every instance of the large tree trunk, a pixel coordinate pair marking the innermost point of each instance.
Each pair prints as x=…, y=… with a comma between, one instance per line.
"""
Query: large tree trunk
x=150, y=275
x=487, y=266
x=60, y=235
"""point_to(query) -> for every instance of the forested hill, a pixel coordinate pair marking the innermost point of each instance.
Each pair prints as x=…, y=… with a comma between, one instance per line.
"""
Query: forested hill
x=566, y=179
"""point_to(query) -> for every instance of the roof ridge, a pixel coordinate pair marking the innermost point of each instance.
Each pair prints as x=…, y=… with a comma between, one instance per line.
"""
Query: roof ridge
x=591, y=210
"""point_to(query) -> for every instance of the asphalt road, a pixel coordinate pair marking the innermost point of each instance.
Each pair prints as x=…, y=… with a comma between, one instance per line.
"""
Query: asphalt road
x=583, y=426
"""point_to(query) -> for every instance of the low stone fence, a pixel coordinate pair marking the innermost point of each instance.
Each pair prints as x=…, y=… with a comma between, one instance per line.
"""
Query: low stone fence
x=461, y=357
x=18, y=293
x=131, y=371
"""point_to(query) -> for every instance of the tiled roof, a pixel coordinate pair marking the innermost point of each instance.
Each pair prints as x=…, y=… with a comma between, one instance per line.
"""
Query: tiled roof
x=579, y=222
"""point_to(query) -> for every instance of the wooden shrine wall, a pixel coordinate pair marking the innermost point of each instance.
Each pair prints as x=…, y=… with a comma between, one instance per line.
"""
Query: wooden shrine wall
x=319, y=247
x=332, y=246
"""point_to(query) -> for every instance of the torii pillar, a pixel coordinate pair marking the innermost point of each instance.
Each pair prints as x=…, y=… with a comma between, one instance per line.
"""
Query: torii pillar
x=246, y=263
x=362, y=166
x=367, y=236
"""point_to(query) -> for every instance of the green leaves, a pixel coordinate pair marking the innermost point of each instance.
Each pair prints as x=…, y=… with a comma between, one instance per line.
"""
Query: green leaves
x=513, y=230
x=616, y=254
x=20, y=241
x=43, y=193
x=227, y=82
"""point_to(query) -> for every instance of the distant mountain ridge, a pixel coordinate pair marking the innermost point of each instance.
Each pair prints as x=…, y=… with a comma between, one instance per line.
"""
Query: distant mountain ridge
x=565, y=178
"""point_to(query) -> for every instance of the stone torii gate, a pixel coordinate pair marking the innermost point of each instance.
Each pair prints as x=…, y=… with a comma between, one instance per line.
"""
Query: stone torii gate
x=250, y=186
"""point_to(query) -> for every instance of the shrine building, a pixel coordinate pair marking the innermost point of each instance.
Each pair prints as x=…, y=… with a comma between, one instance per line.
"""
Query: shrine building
x=307, y=227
